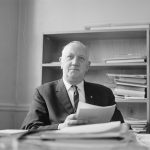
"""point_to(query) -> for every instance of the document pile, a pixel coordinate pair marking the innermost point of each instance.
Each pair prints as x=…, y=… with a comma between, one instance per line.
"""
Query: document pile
x=129, y=86
x=93, y=131
x=99, y=126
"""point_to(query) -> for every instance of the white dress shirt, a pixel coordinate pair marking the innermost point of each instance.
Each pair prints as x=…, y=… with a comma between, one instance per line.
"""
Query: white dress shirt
x=70, y=91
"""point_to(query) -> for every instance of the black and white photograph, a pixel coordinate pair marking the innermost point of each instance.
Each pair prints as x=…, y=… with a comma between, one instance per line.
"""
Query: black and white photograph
x=75, y=74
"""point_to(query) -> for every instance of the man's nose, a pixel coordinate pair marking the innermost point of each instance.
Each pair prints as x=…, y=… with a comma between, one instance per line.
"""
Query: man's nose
x=75, y=61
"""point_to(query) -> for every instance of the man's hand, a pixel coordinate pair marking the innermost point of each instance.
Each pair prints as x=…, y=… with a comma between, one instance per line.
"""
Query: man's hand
x=72, y=120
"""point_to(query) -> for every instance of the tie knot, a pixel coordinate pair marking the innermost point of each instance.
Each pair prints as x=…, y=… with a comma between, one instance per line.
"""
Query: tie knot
x=74, y=87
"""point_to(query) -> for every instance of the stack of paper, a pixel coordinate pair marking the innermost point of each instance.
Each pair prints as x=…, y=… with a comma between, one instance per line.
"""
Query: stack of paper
x=109, y=130
x=93, y=131
x=99, y=126
x=129, y=86
x=138, y=126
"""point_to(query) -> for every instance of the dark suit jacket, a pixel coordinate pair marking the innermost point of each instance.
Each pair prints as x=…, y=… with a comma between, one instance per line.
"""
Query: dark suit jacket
x=51, y=104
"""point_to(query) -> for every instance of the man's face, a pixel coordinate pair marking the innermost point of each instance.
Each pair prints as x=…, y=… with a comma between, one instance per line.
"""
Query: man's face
x=75, y=64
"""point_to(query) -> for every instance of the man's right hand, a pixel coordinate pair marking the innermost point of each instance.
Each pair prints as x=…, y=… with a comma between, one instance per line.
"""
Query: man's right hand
x=71, y=120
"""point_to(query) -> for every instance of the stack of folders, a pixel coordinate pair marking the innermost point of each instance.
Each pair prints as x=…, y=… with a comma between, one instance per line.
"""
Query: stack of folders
x=126, y=59
x=138, y=126
x=129, y=86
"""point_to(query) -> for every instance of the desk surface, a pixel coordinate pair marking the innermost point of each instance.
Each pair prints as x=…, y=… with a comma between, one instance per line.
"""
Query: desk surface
x=80, y=145
x=10, y=143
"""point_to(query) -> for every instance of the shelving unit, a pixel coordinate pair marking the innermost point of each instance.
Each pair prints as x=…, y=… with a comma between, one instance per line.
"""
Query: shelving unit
x=104, y=43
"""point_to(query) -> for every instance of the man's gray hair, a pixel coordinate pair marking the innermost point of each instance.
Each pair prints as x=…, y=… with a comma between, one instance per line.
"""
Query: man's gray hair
x=76, y=43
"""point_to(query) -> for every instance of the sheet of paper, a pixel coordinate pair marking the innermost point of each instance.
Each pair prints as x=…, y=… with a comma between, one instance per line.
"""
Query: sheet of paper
x=143, y=139
x=11, y=131
x=95, y=114
x=93, y=128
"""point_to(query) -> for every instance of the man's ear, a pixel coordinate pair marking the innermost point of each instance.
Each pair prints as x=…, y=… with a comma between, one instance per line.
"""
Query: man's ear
x=88, y=65
x=60, y=60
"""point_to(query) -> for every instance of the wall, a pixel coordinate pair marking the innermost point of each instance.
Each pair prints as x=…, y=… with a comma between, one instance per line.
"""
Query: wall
x=8, y=61
x=45, y=16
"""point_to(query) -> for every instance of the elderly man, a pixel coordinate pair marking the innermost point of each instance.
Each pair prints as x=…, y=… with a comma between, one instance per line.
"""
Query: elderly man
x=55, y=102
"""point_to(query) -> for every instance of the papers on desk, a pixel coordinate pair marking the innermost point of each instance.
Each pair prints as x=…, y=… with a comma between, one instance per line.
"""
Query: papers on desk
x=143, y=139
x=95, y=114
x=99, y=125
x=7, y=132
x=110, y=130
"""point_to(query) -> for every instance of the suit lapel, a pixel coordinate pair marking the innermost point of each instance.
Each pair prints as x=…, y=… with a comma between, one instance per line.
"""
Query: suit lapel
x=88, y=94
x=63, y=97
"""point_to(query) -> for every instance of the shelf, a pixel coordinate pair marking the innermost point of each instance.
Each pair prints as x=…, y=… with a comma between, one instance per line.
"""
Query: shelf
x=105, y=42
x=117, y=64
x=102, y=33
x=53, y=64
x=116, y=27
x=57, y=64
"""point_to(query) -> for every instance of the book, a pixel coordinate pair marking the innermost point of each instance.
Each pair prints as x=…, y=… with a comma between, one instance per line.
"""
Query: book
x=131, y=80
x=126, y=60
x=130, y=84
x=137, y=125
x=135, y=121
x=126, y=92
x=126, y=75
x=124, y=97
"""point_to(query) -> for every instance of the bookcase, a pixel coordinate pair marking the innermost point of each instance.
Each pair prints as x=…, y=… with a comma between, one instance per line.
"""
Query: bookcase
x=104, y=43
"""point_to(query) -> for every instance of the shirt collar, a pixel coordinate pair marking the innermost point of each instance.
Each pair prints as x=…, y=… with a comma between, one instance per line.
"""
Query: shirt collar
x=68, y=85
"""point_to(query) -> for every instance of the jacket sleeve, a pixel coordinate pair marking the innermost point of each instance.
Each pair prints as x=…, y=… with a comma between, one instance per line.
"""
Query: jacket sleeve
x=117, y=116
x=37, y=117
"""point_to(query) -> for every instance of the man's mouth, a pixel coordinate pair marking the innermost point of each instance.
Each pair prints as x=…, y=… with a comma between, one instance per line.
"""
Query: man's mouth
x=74, y=69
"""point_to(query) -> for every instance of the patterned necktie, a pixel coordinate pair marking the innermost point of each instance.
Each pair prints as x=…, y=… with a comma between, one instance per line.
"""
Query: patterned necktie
x=75, y=97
